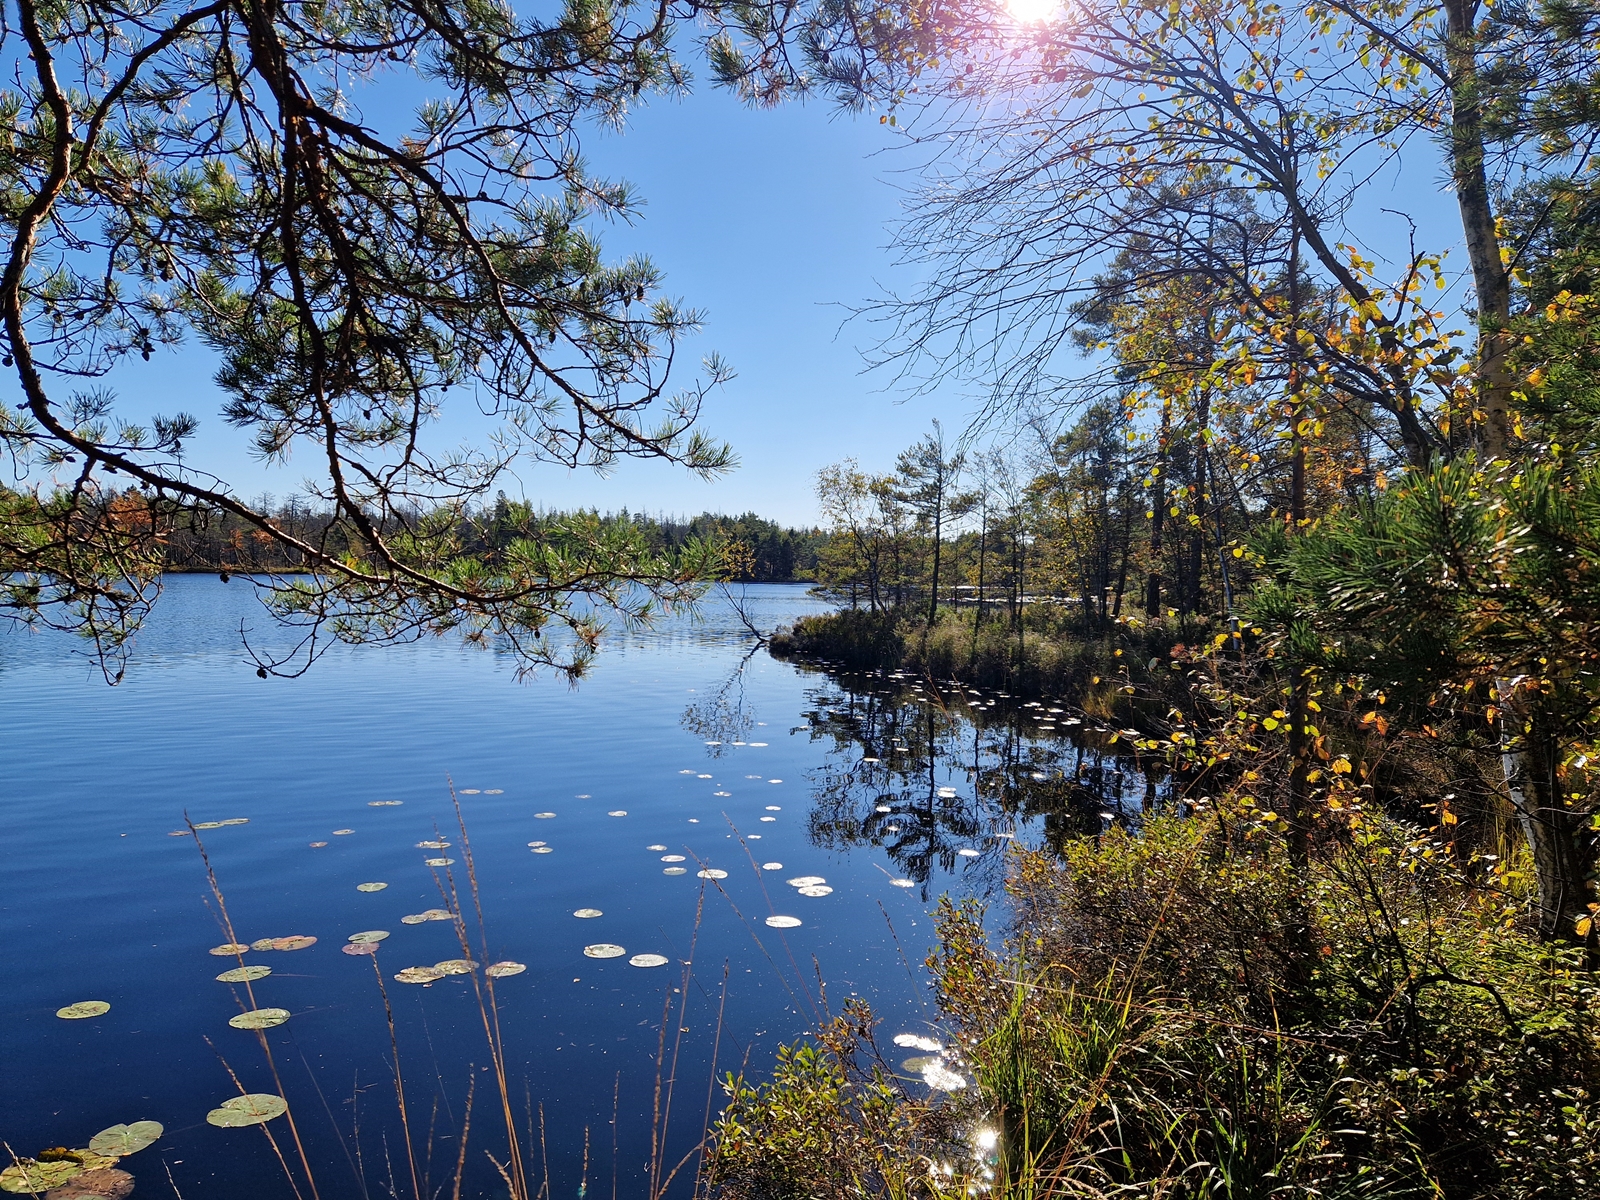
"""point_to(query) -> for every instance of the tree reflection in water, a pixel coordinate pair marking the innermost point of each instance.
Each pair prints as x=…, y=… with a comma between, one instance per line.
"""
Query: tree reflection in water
x=724, y=716
x=925, y=772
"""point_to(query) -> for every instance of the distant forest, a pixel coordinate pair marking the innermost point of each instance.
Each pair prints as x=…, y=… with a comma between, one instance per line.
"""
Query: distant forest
x=218, y=541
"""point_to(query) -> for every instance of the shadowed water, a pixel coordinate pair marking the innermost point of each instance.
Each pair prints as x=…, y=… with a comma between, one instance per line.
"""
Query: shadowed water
x=890, y=789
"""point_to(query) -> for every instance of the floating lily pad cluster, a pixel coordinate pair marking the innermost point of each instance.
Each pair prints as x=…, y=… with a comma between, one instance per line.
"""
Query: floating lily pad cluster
x=87, y=1174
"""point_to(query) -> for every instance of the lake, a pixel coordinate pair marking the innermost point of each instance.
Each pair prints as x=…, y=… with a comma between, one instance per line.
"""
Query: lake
x=686, y=750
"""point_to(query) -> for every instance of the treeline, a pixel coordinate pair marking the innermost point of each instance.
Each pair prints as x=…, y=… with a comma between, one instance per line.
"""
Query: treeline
x=1105, y=521
x=755, y=550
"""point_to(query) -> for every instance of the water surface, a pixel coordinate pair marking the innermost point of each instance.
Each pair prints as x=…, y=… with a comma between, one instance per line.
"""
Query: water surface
x=683, y=738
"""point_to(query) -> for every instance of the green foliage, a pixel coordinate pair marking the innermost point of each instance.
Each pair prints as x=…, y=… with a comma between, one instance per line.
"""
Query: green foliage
x=205, y=174
x=1478, y=584
x=1174, y=1015
x=826, y=1124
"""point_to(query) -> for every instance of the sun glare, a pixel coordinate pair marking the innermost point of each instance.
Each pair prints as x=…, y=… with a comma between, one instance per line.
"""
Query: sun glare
x=1032, y=12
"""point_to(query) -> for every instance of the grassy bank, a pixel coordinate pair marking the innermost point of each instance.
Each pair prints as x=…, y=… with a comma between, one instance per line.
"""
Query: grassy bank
x=1187, y=1014
x=1115, y=673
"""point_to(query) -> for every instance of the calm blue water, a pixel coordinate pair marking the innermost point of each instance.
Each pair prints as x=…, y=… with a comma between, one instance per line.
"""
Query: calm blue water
x=861, y=781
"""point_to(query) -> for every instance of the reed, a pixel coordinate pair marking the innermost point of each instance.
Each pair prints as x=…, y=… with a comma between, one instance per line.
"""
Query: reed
x=399, y=1080
x=261, y=1034
x=661, y=1175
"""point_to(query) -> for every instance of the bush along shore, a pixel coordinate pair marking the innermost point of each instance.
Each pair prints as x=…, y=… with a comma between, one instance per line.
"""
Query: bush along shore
x=1191, y=1013
x=1339, y=967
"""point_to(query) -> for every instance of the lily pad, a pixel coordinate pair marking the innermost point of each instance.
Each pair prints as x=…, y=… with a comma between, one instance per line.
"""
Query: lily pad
x=222, y=824
x=917, y=1062
x=298, y=941
x=228, y=949
x=904, y=882
x=500, y=970
x=437, y=862
x=456, y=966
x=774, y=808
x=648, y=960
x=588, y=912
x=371, y=887
x=767, y=819
x=672, y=858
x=368, y=935
x=967, y=852
x=800, y=881
x=262, y=944
x=816, y=890
x=179, y=833
x=655, y=847
x=117, y=1141
x=784, y=922
x=384, y=803
x=255, y=1109
x=29, y=1176
x=541, y=849
x=544, y=816
x=316, y=845
x=244, y=974
x=674, y=870
x=916, y=1041
x=494, y=791
x=472, y=791
x=617, y=812
x=712, y=873
x=83, y=1009
x=433, y=845
x=359, y=948
x=96, y=1183
x=941, y=1078
x=260, y=1018
x=419, y=975
x=431, y=914
x=603, y=950
x=536, y=845
x=772, y=866
x=85, y=1158
x=342, y=832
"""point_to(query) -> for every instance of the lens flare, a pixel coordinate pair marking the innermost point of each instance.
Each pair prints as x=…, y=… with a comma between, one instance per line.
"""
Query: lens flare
x=1033, y=12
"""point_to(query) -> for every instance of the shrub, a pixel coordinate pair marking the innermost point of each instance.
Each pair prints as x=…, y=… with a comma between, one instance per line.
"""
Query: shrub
x=1180, y=1015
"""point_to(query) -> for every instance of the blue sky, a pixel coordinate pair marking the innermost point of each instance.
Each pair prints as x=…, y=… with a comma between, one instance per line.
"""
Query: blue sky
x=768, y=220
x=772, y=222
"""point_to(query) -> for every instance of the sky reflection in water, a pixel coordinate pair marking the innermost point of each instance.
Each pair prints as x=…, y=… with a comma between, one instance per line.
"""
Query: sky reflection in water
x=681, y=728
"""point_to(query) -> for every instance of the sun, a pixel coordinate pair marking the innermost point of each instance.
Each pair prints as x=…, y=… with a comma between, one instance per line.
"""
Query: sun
x=1033, y=12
